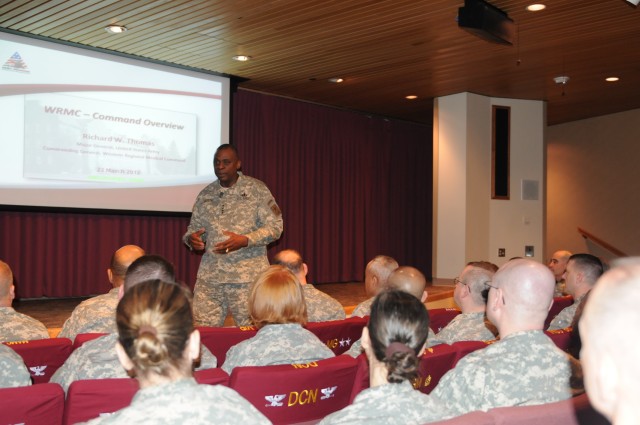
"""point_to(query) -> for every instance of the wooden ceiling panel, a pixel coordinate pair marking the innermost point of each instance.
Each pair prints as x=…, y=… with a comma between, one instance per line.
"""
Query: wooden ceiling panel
x=385, y=49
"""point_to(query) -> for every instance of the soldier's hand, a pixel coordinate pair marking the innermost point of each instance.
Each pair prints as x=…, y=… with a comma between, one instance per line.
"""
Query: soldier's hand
x=195, y=240
x=234, y=243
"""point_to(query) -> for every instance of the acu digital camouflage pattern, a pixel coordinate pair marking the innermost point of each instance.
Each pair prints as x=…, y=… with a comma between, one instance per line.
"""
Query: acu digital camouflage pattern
x=565, y=317
x=13, y=372
x=277, y=344
x=246, y=208
x=210, y=303
x=186, y=402
x=465, y=327
x=16, y=326
x=97, y=359
x=320, y=306
x=95, y=315
x=363, y=309
x=524, y=368
x=390, y=404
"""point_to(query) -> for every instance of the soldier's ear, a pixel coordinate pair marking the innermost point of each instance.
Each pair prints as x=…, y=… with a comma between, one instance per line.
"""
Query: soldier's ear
x=12, y=291
x=110, y=275
x=124, y=359
x=193, y=345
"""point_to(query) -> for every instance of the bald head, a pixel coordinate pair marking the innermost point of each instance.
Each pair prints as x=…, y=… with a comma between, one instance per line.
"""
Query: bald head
x=609, y=353
x=292, y=260
x=558, y=263
x=377, y=272
x=523, y=296
x=120, y=262
x=408, y=279
x=6, y=285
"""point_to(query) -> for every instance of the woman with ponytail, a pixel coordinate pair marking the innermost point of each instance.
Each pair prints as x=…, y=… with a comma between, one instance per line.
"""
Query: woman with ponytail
x=393, y=341
x=158, y=344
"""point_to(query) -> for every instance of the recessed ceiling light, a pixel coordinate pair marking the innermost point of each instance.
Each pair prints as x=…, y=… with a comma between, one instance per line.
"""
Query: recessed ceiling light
x=115, y=29
x=612, y=79
x=241, y=58
x=336, y=80
x=411, y=97
x=536, y=7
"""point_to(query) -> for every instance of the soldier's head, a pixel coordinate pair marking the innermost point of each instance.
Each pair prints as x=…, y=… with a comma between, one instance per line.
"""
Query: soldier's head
x=7, y=290
x=276, y=297
x=470, y=291
x=292, y=260
x=120, y=262
x=155, y=331
x=377, y=272
x=396, y=334
x=558, y=263
x=520, y=296
x=581, y=273
x=410, y=280
x=147, y=267
x=610, y=352
x=226, y=163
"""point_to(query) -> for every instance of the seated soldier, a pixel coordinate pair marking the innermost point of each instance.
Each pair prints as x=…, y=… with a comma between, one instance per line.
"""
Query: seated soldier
x=375, y=278
x=13, y=371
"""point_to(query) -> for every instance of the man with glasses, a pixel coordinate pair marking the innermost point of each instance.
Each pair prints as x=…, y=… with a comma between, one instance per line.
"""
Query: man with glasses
x=524, y=367
x=471, y=324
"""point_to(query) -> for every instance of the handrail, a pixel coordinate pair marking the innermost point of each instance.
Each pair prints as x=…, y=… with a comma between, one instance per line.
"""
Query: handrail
x=600, y=242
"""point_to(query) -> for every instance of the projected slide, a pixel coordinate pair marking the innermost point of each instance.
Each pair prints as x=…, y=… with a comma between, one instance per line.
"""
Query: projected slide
x=79, y=138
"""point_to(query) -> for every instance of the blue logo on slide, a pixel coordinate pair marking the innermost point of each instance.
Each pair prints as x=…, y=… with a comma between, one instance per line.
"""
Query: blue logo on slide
x=16, y=64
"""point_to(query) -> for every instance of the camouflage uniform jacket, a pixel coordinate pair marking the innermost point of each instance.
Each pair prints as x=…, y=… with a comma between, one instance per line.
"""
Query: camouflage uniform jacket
x=13, y=372
x=277, y=344
x=16, y=326
x=465, y=327
x=97, y=359
x=390, y=404
x=246, y=208
x=565, y=317
x=524, y=368
x=185, y=402
x=363, y=309
x=320, y=306
x=95, y=315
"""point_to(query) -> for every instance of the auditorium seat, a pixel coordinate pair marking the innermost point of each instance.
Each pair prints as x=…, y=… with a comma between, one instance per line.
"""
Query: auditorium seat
x=465, y=347
x=82, y=338
x=42, y=356
x=89, y=398
x=434, y=363
x=219, y=340
x=561, y=337
x=35, y=404
x=338, y=335
x=440, y=317
x=295, y=393
x=559, y=304
x=215, y=376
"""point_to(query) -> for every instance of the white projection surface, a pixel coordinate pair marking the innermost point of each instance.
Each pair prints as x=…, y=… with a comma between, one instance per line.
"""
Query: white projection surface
x=86, y=129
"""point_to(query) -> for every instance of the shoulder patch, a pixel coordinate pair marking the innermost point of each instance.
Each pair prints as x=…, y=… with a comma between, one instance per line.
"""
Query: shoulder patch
x=275, y=208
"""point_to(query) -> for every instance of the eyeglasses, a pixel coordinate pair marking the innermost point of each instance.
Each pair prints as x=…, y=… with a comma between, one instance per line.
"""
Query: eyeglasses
x=488, y=285
x=458, y=280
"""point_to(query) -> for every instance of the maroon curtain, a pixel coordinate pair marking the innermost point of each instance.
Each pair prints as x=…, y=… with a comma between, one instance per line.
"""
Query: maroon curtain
x=350, y=187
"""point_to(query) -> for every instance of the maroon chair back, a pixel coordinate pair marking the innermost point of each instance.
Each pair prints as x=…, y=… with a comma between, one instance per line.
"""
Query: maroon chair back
x=295, y=393
x=214, y=376
x=361, y=381
x=89, y=398
x=42, y=356
x=338, y=335
x=559, y=304
x=465, y=347
x=82, y=338
x=440, y=317
x=434, y=363
x=560, y=337
x=219, y=340
x=36, y=404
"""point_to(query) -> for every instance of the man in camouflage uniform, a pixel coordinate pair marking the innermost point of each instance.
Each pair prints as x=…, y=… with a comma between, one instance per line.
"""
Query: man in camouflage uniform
x=98, y=314
x=15, y=326
x=320, y=306
x=558, y=265
x=97, y=359
x=471, y=324
x=375, y=278
x=13, y=372
x=233, y=220
x=581, y=274
x=525, y=367
x=610, y=352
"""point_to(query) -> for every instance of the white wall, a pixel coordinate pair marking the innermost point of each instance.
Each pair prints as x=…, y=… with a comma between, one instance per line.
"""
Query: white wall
x=468, y=224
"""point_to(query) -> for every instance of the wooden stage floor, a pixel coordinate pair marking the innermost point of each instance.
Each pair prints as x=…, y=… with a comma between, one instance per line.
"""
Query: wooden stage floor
x=54, y=311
